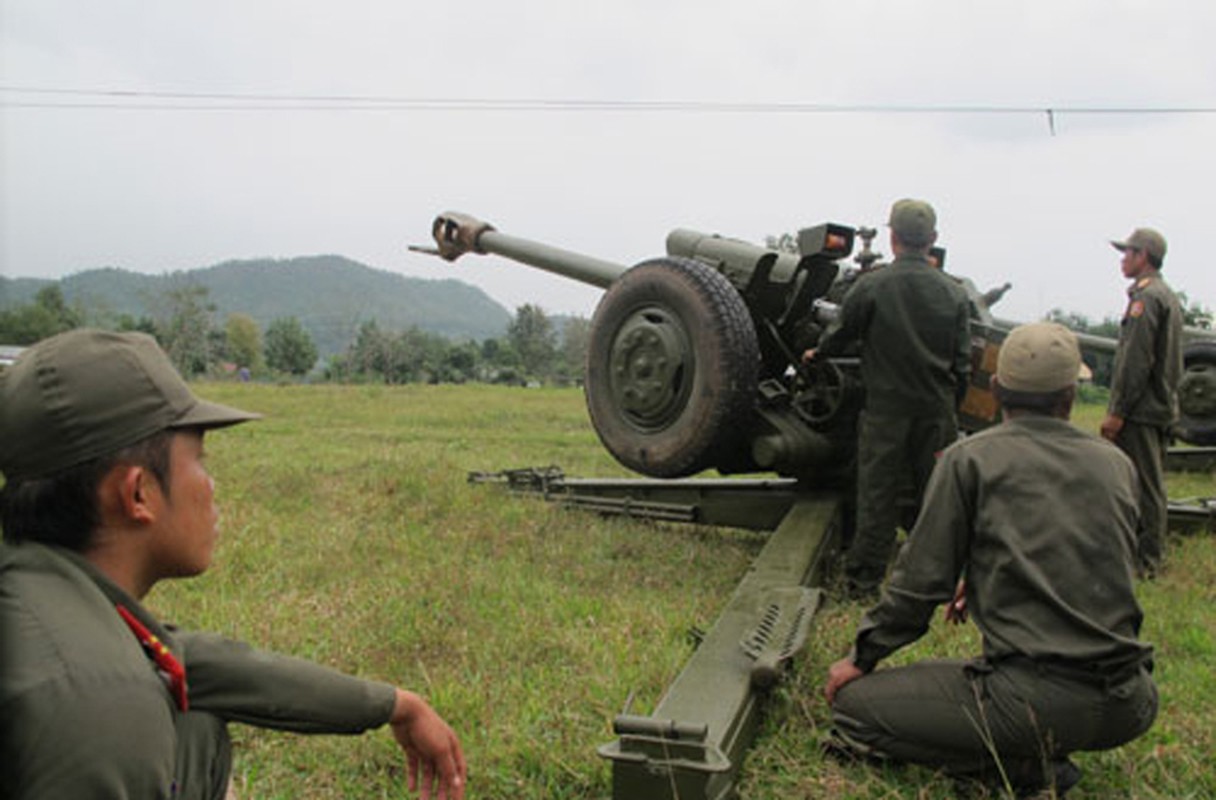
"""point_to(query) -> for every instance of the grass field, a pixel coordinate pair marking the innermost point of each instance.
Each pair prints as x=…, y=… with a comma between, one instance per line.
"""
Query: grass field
x=350, y=536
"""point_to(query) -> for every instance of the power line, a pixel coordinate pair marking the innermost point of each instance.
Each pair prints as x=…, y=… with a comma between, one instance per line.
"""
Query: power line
x=121, y=99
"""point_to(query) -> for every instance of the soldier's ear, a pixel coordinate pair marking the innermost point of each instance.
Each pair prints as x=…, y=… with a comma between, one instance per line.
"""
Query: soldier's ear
x=1067, y=398
x=132, y=493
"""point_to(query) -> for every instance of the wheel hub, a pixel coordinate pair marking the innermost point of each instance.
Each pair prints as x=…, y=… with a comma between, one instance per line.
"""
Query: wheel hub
x=650, y=368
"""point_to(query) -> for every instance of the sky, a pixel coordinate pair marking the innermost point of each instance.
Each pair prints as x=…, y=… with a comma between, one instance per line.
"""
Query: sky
x=158, y=137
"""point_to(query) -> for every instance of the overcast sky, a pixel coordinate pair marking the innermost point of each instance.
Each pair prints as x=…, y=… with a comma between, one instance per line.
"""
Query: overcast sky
x=170, y=180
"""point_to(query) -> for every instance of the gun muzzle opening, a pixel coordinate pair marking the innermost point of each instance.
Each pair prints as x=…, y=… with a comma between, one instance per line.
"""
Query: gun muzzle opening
x=457, y=234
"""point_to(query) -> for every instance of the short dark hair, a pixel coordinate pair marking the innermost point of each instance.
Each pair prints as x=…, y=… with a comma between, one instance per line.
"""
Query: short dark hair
x=1036, y=402
x=914, y=249
x=62, y=509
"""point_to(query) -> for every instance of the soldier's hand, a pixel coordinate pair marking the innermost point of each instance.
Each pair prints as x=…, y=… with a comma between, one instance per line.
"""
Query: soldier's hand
x=808, y=356
x=1112, y=424
x=956, y=609
x=431, y=748
x=841, y=673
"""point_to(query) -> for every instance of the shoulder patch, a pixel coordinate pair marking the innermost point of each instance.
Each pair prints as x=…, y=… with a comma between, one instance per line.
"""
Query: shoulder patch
x=1135, y=309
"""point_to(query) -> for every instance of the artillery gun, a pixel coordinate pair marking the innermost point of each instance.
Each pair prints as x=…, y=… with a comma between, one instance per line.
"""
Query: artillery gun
x=695, y=363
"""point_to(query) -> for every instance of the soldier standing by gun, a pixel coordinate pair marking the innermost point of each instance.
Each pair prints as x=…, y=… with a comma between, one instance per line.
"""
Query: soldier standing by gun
x=1144, y=382
x=912, y=322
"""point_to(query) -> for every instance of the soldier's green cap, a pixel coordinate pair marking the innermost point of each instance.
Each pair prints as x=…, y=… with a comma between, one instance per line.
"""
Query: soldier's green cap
x=1145, y=239
x=87, y=393
x=1039, y=357
x=913, y=221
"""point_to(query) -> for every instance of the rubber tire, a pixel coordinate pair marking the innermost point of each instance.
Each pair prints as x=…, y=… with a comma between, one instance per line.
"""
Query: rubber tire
x=711, y=396
x=1198, y=430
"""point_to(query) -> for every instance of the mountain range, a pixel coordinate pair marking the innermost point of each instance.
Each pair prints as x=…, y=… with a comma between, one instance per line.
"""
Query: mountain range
x=332, y=296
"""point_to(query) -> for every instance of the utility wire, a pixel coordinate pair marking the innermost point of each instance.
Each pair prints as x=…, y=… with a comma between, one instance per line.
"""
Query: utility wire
x=226, y=101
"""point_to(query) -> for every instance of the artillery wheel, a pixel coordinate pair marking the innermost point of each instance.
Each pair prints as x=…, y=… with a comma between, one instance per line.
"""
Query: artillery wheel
x=671, y=368
x=1197, y=394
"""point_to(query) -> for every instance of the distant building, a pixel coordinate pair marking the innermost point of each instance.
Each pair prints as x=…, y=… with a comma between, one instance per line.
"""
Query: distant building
x=8, y=354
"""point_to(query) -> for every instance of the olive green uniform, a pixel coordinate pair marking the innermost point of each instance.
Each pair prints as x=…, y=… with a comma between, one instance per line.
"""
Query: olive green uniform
x=912, y=322
x=87, y=715
x=1039, y=518
x=1144, y=391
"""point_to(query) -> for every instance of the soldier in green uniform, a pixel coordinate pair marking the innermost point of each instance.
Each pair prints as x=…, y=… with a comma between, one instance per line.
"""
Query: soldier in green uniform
x=1029, y=527
x=912, y=323
x=105, y=494
x=1144, y=382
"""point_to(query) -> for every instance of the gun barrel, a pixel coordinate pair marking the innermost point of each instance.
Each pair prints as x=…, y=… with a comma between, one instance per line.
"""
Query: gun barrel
x=1087, y=341
x=457, y=234
x=735, y=258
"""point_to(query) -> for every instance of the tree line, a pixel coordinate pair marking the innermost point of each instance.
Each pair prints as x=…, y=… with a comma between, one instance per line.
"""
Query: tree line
x=533, y=350
x=183, y=321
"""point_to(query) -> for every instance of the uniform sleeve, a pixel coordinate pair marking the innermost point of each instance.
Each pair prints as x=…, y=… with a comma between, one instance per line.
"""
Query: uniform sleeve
x=928, y=568
x=238, y=683
x=1134, y=358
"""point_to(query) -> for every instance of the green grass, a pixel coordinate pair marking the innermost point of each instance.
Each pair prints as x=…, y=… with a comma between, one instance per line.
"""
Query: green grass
x=350, y=536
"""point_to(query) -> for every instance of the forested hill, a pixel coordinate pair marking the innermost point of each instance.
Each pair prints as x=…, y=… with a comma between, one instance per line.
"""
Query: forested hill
x=330, y=295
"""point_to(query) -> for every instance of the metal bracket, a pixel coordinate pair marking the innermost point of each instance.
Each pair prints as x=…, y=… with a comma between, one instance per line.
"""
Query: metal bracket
x=781, y=633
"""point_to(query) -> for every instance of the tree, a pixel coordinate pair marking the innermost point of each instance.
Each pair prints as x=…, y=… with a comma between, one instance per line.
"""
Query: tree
x=370, y=355
x=1194, y=314
x=576, y=337
x=459, y=363
x=184, y=326
x=243, y=341
x=289, y=347
x=144, y=324
x=1108, y=327
x=407, y=357
x=422, y=355
x=499, y=362
x=531, y=335
x=785, y=243
x=46, y=316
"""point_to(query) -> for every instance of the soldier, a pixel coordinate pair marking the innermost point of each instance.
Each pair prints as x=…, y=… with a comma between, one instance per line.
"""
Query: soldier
x=1021, y=510
x=1144, y=382
x=912, y=322
x=101, y=446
